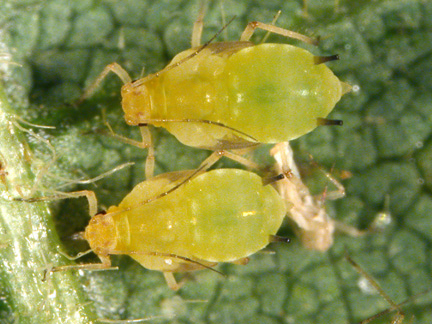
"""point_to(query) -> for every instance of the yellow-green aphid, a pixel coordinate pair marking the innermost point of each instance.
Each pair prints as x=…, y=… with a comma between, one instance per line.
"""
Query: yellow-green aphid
x=264, y=93
x=231, y=95
x=175, y=222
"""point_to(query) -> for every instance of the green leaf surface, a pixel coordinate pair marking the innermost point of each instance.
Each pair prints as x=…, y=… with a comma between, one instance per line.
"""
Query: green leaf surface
x=385, y=49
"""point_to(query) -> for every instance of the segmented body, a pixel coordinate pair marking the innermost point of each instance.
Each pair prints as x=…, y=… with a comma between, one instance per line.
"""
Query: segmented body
x=235, y=94
x=219, y=216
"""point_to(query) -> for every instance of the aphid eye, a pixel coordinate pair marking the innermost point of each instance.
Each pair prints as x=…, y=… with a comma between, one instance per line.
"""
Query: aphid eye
x=329, y=122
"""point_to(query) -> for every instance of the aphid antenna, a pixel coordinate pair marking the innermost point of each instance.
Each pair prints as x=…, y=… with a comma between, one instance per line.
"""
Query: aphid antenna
x=193, y=174
x=329, y=122
x=171, y=255
x=211, y=160
x=204, y=121
x=95, y=179
x=86, y=266
x=44, y=169
x=79, y=255
x=199, y=50
x=138, y=320
x=125, y=78
x=377, y=287
x=391, y=309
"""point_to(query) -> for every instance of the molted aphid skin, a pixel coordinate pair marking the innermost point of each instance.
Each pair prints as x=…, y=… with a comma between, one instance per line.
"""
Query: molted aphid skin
x=313, y=225
x=235, y=94
x=222, y=215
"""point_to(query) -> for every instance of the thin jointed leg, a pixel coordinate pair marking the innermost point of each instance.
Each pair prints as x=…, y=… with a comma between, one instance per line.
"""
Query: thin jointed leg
x=252, y=26
x=113, y=67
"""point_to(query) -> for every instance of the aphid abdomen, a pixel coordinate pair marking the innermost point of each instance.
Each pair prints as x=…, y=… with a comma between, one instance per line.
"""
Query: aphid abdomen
x=264, y=94
x=231, y=214
x=277, y=92
x=218, y=216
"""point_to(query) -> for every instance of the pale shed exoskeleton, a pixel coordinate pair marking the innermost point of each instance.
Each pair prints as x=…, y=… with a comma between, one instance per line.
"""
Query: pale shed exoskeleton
x=314, y=226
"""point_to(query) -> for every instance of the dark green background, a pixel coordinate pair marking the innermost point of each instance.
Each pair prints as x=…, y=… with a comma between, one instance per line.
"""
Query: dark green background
x=385, y=49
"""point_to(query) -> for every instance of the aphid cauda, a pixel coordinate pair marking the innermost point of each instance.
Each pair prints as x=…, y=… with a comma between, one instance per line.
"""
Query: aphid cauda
x=232, y=95
x=188, y=220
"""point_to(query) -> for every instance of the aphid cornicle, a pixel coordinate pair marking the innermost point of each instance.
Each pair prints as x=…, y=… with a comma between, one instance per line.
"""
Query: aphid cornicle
x=181, y=222
x=231, y=95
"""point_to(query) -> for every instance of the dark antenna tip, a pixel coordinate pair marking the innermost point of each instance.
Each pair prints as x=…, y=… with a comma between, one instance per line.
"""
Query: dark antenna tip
x=324, y=59
x=329, y=122
x=275, y=238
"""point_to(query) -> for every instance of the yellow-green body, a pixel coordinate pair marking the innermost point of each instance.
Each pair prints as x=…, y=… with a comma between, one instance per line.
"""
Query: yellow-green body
x=219, y=216
x=235, y=94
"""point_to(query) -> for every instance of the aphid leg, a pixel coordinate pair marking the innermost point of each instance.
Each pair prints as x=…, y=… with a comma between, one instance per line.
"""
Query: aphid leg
x=171, y=281
x=400, y=315
x=105, y=265
x=91, y=198
x=217, y=155
x=198, y=26
x=146, y=142
x=90, y=195
x=113, y=67
x=250, y=29
x=240, y=159
x=334, y=194
x=150, y=160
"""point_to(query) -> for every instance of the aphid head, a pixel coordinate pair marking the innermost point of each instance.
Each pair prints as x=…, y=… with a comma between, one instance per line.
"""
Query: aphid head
x=136, y=102
x=101, y=234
